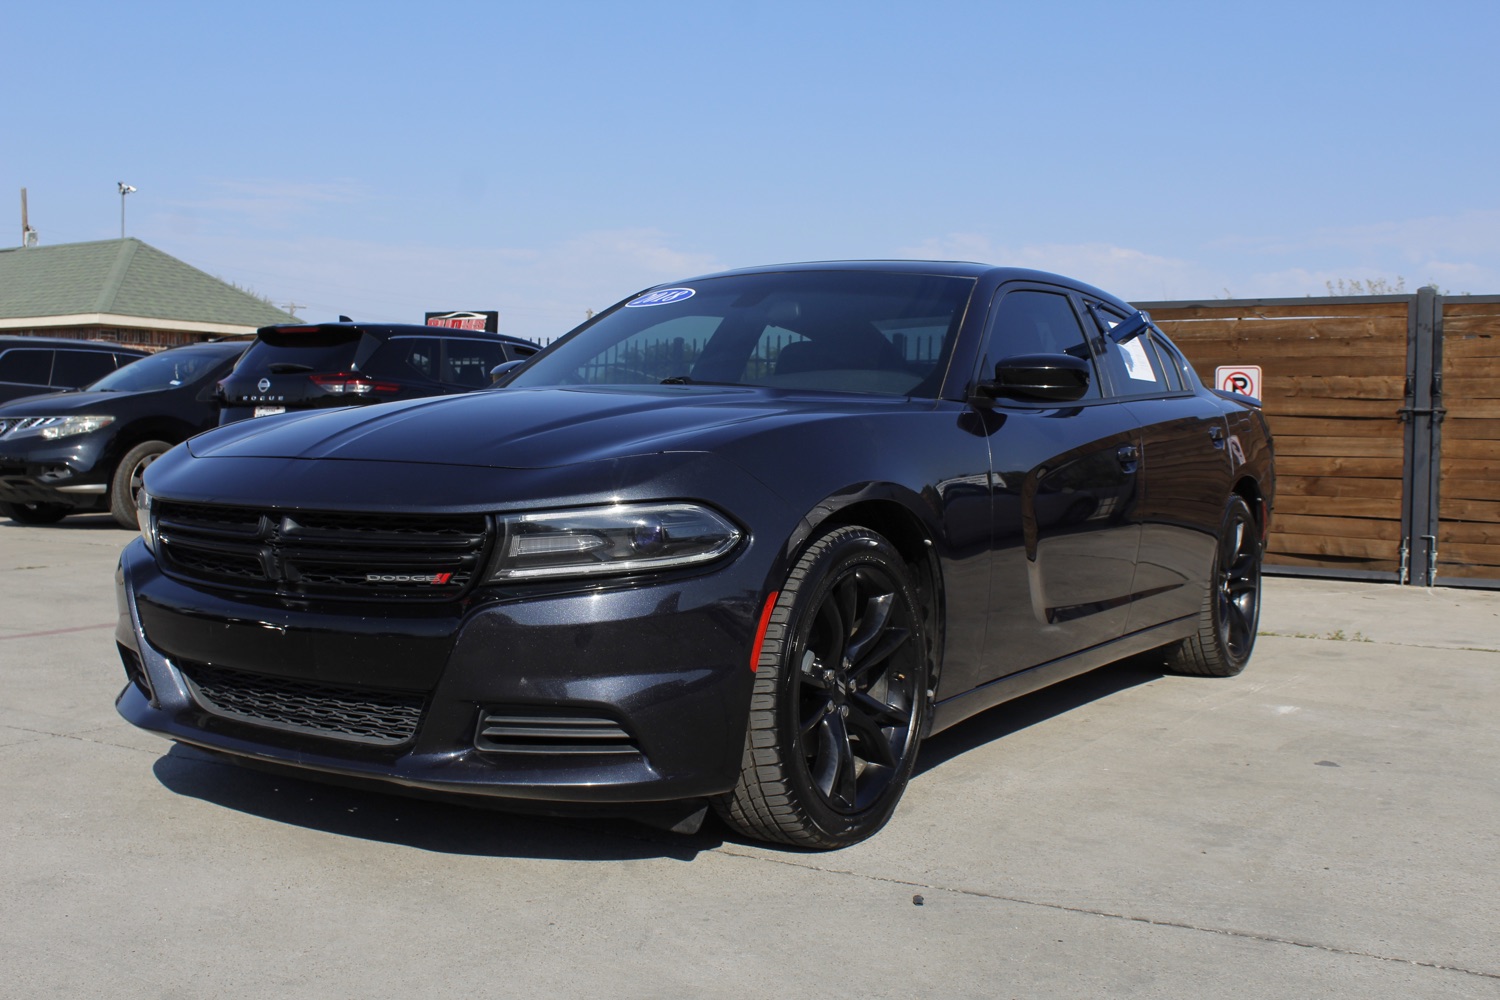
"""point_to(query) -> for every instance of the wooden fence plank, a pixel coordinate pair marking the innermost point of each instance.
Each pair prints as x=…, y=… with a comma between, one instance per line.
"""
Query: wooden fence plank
x=1331, y=487
x=1359, y=468
x=1348, y=548
x=1343, y=527
x=1335, y=447
x=1293, y=503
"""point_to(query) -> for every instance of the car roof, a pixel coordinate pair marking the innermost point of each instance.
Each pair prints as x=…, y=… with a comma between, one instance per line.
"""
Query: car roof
x=994, y=274
x=388, y=330
x=13, y=340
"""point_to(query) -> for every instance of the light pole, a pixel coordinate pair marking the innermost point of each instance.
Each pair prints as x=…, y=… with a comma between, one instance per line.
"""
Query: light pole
x=124, y=190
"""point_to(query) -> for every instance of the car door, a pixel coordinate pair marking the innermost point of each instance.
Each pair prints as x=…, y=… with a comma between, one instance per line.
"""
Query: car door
x=1185, y=465
x=1064, y=479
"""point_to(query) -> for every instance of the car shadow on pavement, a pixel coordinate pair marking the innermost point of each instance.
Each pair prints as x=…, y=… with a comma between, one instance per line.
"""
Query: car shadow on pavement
x=426, y=824
x=90, y=521
x=1039, y=706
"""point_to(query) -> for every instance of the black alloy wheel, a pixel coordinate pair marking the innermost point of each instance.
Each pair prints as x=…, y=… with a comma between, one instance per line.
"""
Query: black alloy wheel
x=1231, y=609
x=35, y=513
x=836, y=722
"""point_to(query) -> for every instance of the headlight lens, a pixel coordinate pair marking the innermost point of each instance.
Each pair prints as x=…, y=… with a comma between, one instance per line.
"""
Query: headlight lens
x=53, y=428
x=143, y=502
x=626, y=538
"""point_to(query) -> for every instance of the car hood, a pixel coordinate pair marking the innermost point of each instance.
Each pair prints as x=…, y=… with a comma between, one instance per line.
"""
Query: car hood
x=532, y=428
x=62, y=404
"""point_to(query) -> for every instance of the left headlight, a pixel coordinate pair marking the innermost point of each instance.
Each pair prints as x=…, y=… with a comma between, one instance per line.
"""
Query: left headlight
x=625, y=538
x=61, y=427
x=143, y=502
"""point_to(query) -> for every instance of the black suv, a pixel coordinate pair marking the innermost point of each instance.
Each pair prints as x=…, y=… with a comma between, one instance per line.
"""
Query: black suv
x=346, y=363
x=29, y=365
x=73, y=451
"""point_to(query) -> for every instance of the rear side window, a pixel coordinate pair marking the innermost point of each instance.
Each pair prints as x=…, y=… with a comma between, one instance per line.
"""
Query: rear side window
x=468, y=362
x=27, y=365
x=407, y=357
x=308, y=349
x=72, y=369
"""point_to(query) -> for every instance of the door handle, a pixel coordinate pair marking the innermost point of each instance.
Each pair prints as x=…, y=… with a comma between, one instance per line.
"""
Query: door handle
x=1128, y=454
x=1216, y=435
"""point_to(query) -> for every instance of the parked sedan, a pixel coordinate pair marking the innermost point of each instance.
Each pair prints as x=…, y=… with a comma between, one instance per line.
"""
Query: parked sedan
x=76, y=451
x=739, y=542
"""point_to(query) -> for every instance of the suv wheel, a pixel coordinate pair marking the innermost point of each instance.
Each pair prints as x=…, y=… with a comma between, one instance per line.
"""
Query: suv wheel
x=127, y=480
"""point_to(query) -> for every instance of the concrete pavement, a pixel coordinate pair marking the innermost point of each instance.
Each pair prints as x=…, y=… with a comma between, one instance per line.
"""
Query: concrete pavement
x=1324, y=825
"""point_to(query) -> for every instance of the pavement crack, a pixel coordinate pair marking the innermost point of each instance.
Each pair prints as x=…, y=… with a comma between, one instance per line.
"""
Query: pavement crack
x=1111, y=915
x=80, y=737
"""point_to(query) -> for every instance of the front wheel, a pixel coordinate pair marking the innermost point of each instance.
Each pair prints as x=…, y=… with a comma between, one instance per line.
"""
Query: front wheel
x=1231, y=608
x=128, y=478
x=840, y=701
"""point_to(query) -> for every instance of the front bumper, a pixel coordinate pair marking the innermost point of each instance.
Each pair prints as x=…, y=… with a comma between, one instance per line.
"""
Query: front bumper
x=66, y=472
x=666, y=664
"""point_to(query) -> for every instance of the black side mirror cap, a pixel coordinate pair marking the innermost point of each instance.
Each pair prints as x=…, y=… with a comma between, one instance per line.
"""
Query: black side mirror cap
x=1049, y=378
x=505, y=368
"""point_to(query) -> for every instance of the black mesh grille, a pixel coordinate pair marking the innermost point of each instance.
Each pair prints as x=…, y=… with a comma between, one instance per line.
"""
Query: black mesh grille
x=382, y=718
x=296, y=553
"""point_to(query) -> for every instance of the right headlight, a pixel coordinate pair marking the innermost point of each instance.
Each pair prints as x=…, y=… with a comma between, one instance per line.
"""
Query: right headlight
x=623, y=538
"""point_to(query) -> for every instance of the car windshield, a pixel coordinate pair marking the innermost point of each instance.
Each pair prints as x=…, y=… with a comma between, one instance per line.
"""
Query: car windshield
x=853, y=331
x=160, y=371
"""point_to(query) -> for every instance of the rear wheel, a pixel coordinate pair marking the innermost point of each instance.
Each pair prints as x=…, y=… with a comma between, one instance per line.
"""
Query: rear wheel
x=1231, y=608
x=128, y=477
x=836, y=719
x=35, y=513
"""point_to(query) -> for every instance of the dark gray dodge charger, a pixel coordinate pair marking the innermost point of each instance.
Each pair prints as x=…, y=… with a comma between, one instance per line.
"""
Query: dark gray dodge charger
x=739, y=542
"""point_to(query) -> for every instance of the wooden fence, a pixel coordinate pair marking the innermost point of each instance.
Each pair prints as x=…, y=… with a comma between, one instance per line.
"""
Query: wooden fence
x=1386, y=461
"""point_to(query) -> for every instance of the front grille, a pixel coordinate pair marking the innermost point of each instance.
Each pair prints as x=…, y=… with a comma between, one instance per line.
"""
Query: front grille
x=295, y=554
x=356, y=715
x=544, y=731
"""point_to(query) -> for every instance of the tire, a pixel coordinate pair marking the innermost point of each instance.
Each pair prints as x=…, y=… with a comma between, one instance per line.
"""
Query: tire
x=35, y=513
x=1231, y=607
x=840, y=699
x=126, y=481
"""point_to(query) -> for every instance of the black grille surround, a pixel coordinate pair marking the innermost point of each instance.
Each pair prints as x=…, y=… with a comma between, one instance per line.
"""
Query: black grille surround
x=354, y=715
x=298, y=554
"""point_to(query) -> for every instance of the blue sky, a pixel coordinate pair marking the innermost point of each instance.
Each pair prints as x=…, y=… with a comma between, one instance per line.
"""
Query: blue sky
x=383, y=159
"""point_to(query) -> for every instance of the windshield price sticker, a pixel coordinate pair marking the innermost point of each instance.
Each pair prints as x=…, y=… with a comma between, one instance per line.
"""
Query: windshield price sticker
x=1243, y=379
x=661, y=297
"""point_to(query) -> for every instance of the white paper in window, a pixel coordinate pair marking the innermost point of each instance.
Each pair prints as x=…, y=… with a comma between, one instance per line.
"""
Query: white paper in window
x=1137, y=365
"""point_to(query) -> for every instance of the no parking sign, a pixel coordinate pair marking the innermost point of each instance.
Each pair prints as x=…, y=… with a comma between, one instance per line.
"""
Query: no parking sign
x=1243, y=379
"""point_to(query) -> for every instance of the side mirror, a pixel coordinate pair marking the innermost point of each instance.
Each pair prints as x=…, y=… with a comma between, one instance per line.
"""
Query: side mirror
x=1052, y=378
x=505, y=368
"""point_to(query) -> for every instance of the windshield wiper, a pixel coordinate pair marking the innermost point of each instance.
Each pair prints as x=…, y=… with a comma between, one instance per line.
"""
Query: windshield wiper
x=689, y=380
x=288, y=367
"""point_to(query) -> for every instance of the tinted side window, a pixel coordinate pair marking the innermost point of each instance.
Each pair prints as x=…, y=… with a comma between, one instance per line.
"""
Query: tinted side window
x=1028, y=321
x=405, y=357
x=72, y=369
x=468, y=362
x=27, y=365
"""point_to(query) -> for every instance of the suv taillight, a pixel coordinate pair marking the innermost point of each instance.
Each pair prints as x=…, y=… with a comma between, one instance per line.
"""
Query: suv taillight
x=350, y=384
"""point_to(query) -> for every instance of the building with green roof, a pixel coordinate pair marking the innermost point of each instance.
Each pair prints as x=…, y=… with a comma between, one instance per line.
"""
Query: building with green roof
x=124, y=291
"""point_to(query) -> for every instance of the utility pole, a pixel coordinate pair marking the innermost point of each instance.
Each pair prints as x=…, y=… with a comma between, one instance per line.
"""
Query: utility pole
x=28, y=235
x=124, y=190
